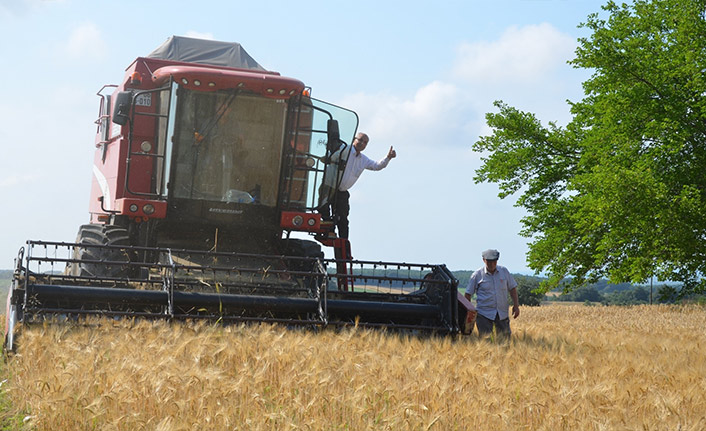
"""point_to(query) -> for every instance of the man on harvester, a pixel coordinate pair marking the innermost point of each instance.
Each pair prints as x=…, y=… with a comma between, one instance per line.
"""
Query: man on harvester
x=356, y=163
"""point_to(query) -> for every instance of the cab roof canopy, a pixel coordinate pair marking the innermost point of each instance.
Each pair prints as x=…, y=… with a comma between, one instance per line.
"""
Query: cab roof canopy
x=211, y=52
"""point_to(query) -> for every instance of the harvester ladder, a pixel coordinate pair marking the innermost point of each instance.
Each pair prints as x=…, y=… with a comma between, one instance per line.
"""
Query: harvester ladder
x=159, y=150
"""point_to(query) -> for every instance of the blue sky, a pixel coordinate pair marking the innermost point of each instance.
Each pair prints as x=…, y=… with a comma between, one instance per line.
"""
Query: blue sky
x=421, y=76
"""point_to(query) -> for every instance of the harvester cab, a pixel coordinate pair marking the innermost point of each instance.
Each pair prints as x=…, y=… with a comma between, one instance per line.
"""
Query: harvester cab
x=205, y=164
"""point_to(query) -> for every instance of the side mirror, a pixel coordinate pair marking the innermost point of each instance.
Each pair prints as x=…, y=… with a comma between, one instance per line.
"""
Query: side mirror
x=121, y=109
x=334, y=135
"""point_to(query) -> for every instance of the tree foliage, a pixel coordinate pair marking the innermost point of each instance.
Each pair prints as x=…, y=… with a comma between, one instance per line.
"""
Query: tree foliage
x=620, y=191
x=582, y=294
x=528, y=292
x=639, y=295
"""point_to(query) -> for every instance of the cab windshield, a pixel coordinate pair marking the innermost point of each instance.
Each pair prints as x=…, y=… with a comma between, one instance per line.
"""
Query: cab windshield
x=227, y=147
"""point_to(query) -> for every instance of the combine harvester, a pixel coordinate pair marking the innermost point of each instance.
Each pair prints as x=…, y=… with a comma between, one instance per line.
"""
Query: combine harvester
x=205, y=163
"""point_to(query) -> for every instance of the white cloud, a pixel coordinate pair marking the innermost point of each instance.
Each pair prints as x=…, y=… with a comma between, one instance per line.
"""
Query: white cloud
x=432, y=102
x=425, y=207
x=452, y=111
x=199, y=35
x=14, y=180
x=86, y=41
x=433, y=110
x=522, y=54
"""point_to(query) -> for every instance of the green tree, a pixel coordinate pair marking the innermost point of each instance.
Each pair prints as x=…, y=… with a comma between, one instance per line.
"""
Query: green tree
x=528, y=292
x=667, y=293
x=639, y=295
x=581, y=294
x=620, y=191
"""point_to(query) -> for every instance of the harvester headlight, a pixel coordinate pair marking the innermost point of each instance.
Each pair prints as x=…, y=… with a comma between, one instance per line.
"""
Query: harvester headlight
x=311, y=221
x=282, y=91
x=146, y=146
x=270, y=90
x=184, y=81
x=211, y=84
x=197, y=82
x=148, y=209
x=310, y=162
x=297, y=220
x=133, y=208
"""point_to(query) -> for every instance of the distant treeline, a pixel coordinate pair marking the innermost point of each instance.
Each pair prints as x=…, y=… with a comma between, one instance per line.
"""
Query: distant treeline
x=627, y=294
x=601, y=292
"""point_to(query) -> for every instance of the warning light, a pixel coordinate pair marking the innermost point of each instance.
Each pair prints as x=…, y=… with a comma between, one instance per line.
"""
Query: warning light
x=135, y=78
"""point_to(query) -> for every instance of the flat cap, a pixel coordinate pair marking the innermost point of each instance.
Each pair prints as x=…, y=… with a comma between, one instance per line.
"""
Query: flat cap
x=491, y=254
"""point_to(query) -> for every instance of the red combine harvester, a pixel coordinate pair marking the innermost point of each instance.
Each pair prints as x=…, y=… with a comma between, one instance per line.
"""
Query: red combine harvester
x=205, y=164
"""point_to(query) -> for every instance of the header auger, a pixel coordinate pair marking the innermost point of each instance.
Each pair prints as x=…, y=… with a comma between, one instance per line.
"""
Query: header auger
x=205, y=164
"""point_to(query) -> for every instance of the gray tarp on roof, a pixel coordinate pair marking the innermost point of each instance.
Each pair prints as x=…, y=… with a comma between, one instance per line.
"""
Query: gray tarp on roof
x=190, y=50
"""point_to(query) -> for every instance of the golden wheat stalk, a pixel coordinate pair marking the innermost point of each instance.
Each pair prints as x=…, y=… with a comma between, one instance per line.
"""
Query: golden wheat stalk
x=566, y=367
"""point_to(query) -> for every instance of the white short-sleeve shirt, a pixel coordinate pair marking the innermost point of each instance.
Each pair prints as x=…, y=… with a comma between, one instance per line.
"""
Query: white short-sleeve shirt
x=491, y=291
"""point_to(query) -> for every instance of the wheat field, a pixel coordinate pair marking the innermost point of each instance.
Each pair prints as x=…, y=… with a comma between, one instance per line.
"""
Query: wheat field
x=566, y=368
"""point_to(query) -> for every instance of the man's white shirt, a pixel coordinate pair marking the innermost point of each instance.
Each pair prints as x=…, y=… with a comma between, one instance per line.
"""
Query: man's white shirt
x=491, y=291
x=355, y=165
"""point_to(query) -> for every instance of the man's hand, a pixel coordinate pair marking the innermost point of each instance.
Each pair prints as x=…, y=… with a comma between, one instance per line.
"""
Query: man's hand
x=391, y=154
x=515, y=311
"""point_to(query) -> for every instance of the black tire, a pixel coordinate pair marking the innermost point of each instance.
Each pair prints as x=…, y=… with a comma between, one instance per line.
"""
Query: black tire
x=100, y=235
x=303, y=248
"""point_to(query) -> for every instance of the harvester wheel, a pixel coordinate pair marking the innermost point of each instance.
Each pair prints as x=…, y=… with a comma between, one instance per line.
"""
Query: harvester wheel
x=303, y=248
x=90, y=258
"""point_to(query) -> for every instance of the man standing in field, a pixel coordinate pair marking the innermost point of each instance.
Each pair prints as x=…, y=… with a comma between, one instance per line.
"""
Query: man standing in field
x=491, y=284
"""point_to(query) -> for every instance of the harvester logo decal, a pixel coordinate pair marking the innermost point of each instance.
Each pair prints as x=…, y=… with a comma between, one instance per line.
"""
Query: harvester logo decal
x=224, y=211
